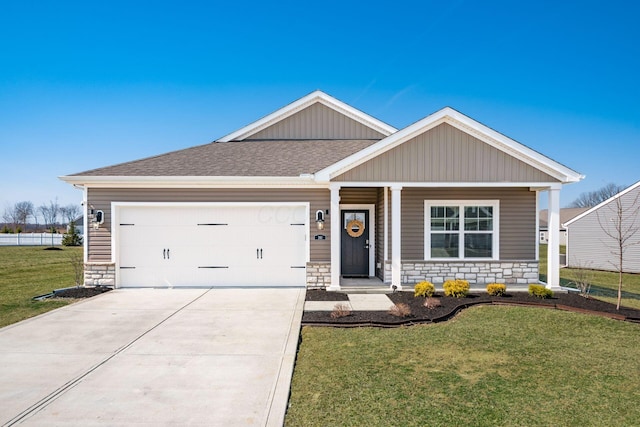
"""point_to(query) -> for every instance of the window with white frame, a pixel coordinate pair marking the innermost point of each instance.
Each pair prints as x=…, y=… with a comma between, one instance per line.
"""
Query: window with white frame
x=461, y=229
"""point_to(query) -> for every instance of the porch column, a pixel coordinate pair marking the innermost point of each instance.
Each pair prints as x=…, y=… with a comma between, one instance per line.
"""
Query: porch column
x=553, y=245
x=335, y=237
x=396, y=241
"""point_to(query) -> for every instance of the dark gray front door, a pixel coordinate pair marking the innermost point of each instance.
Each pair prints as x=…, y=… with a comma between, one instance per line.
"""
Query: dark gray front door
x=355, y=243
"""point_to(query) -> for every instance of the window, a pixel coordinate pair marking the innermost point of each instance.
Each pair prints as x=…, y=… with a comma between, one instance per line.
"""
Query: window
x=461, y=229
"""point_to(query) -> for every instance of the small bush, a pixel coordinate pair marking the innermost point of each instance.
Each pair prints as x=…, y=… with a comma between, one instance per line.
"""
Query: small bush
x=424, y=289
x=456, y=288
x=497, y=289
x=540, y=291
x=400, y=310
x=432, y=303
x=341, y=310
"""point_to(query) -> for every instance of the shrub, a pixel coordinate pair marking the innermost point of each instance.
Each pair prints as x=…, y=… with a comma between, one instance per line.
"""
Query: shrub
x=497, y=289
x=72, y=237
x=424, y=289
x=540, y=291
x=341, y=310
x=400, y=310
x=432, y=303
x=456, y=288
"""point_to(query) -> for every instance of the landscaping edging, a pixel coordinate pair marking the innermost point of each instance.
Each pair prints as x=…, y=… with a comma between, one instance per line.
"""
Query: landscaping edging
x=372, y=319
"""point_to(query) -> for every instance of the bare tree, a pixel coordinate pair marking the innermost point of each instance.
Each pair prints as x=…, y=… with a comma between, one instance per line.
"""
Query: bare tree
x=69, y=213
x=582, y=276
x=50, y=213
x=23, y=211
x=620, y=223
x=10, y=216
x=593, y=198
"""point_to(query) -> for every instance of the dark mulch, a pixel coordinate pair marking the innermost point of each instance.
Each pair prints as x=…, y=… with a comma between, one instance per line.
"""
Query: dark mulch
x=451, y=306
x=319, y=295
x=81, y=292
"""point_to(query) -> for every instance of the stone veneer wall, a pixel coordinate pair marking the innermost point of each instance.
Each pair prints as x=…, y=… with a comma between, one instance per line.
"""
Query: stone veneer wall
x=99, y=274
x=476, y=272
x=318, y=274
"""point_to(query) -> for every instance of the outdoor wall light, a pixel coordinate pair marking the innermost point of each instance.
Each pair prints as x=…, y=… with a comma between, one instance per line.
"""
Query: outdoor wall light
x=320, y=219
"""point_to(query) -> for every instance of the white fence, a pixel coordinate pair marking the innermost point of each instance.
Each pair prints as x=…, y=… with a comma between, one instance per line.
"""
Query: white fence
x=31, y=239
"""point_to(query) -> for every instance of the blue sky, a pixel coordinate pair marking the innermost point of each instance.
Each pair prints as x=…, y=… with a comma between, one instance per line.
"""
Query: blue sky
x=90, y=84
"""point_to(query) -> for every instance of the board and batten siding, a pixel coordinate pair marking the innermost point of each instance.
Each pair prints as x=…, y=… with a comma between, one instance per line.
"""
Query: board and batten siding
x=99, y=241
x=517, y=213
x=588, y=246
x=317, y=122
x=445, y=154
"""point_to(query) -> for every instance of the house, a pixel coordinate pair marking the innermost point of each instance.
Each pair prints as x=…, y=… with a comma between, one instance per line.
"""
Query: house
x=589, y=236
x=566, y=214
x=319, y=191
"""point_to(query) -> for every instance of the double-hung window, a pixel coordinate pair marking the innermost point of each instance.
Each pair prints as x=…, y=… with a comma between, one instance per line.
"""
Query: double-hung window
x=466, y=229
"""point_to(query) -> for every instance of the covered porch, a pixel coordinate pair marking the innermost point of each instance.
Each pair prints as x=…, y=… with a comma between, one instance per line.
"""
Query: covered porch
x=396, y=248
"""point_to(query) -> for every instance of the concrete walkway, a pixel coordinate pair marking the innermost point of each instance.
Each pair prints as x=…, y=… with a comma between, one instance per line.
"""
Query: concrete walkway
x=357, y=302
x=154, y=357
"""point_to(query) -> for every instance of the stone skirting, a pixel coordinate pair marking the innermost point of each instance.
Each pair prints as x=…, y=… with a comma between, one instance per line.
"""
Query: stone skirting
x=476, y=272
x=100, y=274
x=318, y=274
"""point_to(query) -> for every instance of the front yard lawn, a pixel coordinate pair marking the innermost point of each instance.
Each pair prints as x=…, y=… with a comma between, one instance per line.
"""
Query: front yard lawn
x=507, y=366
x=28, y=271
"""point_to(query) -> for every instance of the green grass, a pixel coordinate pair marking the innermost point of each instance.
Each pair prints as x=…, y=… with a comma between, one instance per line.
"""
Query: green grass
x=490, y=366
x=28, y=271
x=604, y=283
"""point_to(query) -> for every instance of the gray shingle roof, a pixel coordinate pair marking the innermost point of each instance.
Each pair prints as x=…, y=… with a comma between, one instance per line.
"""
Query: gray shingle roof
x=565, y=215
x=240, y=158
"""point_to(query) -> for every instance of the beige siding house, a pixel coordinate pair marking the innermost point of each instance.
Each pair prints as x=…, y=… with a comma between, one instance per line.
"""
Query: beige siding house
x=589, y=241
x=318, y=192
x=566, y=214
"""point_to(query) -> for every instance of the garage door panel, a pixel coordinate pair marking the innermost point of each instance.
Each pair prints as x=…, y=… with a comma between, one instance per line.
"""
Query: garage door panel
x=212, y=246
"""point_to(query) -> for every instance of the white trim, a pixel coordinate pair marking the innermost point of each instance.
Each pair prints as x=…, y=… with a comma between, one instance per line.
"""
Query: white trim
x=271, y=182
x=372, y=231
x=465, y=124
x=553, y=244
x=85, y=225
x=537, y=226
x=191, y=181
x=117, y=206
x=495, y=237
x=335, y=237
x=396, y=237
x=304, y=102
x=593, y=209
x=386, y=227
x=531, y=185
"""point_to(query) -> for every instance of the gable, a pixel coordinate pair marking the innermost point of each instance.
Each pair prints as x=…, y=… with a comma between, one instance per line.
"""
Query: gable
x=317, y=121
x=445, y=154
x=341, y=120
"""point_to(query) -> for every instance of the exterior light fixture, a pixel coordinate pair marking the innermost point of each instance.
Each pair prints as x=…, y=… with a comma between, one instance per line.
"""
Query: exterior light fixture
x=320, y=219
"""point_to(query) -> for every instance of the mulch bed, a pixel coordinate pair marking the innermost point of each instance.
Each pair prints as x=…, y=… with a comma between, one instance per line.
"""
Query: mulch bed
x=80, y=292
x=450, y=306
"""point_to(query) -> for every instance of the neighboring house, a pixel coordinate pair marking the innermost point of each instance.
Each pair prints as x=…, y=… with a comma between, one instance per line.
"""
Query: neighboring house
x=566, y=214
x=589, y=246
x=318, y=191
x=79, y=224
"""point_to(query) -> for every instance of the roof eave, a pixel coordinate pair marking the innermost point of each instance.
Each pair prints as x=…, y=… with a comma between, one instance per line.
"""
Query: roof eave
x=305, y=180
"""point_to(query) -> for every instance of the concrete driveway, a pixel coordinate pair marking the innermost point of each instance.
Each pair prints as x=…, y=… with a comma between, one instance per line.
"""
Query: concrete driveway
x=154, y=357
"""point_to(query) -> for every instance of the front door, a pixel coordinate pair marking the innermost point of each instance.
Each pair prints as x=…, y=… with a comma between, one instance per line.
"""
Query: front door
x=355, y=243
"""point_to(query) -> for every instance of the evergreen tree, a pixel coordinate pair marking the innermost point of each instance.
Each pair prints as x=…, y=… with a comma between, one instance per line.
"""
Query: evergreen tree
x=72, y=237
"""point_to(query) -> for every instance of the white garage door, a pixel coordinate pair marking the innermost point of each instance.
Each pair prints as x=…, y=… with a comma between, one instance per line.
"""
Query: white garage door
x=211, y=245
